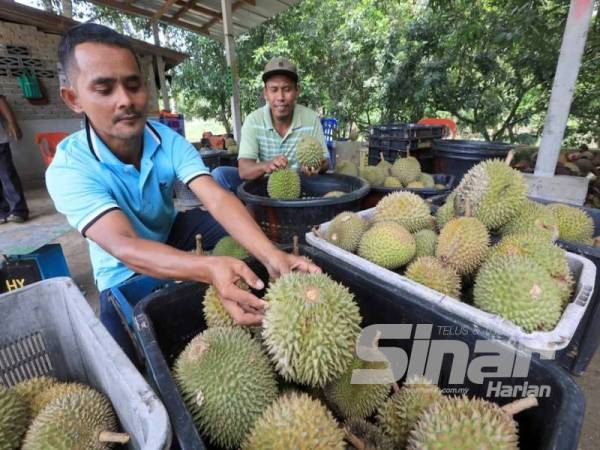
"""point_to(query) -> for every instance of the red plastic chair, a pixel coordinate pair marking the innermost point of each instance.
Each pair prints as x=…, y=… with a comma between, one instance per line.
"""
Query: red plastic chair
x=446, y=122
x=51, y=140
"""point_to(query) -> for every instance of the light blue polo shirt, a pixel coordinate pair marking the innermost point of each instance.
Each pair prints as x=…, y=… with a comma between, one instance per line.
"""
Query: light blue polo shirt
x=86, y=180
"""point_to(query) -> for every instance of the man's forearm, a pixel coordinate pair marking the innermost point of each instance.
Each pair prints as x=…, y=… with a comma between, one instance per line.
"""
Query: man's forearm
x=250, y=170
x=7, y=113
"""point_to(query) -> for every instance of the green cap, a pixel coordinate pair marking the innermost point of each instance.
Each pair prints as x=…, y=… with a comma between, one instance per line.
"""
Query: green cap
x=280, y=66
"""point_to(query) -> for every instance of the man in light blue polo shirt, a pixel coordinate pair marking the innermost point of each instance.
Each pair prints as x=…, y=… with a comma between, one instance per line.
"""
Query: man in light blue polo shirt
x=114, y=182
x=270, y=134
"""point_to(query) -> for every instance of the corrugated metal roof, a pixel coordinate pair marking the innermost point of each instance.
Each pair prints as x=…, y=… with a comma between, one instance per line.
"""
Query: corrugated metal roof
x=203, y=16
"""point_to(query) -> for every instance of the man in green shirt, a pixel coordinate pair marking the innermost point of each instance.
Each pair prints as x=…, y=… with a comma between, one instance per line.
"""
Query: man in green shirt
x=270, y=134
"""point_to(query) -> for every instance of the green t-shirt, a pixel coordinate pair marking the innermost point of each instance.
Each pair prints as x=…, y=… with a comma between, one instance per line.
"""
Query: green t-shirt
x=260, y=141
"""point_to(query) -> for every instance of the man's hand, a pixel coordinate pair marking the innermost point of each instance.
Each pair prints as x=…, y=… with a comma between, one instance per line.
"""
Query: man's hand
x=243, y=307
x=279, y=162
x=15, y=132
x=279, y=263
x=311, y=171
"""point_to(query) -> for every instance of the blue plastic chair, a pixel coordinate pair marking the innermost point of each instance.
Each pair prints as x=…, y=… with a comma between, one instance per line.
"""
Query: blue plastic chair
x=329, y=125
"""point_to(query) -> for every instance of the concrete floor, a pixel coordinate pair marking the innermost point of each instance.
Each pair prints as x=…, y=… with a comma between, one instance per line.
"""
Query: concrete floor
x=76, y=252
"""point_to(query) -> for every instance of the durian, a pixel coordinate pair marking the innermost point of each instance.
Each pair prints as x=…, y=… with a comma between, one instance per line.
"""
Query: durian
x=430, y=272
x=392, y=182
x=369, y=436
x=533, y=218
x=345, y=167
x=439, y=186
x=31, y=389
x=463, y=423
x=334, y=194
x=574, y=224
x=39, y=402
x=227, y=382
x=228, y=246
x=388, y=245
x=399, y=414
x=427, y=180
x=310, y=327
x=520, y=290
x=295, y=421
x=415, y=185
x=79, y=420
x=231, y=146
x=360, y=400
x=445, y=213
x=493, y=192
x=384, y=165
x=405, y=208
x=463, y=244
x=373, y=175
x=215, y=314
x=309, y=152
x=284, y=184
x=406, y=169
x=14, y=419
x=345, y=230
x=426, y=241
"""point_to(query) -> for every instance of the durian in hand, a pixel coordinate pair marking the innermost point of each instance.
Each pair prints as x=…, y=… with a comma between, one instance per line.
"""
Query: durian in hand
x=406, y=169
x=388, y=245
x=295, y=421
x=493, y=191
x=215, y=314
x=464, y=423
x=14, y=419
x=346, y=229
x=431, y=272
x=227, y=382
x=79, y=420
x=284, y=184
x=310, y=328
x=228, y=246
x=30, y=390
x=574, y=224
x=518, y=289
x=309, y=152
x=406, y=209
x=463, y=244
x=400, y=412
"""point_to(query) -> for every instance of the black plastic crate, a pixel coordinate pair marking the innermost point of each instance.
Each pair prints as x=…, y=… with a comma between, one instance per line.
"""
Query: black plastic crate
x=167, y=320
x=409, y=131
x=424, y=154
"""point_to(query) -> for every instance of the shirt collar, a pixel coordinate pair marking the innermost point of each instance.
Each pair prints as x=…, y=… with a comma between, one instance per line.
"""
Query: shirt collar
x=100, y=151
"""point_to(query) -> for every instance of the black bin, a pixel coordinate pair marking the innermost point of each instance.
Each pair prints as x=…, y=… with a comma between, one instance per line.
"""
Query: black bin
x=281, y=220
x=167, y=320
x=456, y=157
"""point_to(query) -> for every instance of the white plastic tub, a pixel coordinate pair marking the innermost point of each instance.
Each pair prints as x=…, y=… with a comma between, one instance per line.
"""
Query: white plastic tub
x=546, y=342
x=47, y=328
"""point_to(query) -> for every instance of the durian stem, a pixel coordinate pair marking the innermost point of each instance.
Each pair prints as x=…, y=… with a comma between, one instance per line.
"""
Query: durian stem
x=468, y=208
x=509, y=157
x=199, y=250
x=296, y=250
x=395, y=388
x=381, y=156
x=408, y=149
x=355, y=440
x=520, y=405
x=111, y=437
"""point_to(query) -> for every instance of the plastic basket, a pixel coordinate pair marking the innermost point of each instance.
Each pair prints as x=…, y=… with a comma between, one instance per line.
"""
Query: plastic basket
x=548, y=342
x=167, y=320
x=49, y=329
x=378, y=192
x=281, y=220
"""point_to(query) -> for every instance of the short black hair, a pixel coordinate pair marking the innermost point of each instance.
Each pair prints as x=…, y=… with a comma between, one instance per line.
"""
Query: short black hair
x=89, y=32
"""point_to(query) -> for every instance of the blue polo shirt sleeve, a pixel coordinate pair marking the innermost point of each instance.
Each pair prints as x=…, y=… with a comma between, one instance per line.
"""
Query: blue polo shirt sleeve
x=187, y=161
x=78, y=193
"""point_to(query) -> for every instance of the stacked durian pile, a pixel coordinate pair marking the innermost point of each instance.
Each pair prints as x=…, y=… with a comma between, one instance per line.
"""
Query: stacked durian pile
x=45, y=414
x=524, y=277
x=403, y=173
x=289, y=383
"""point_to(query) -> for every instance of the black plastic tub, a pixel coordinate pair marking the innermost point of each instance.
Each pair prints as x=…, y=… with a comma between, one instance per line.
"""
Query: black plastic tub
x=409, y=131
x=168, y=319
x=377, y=193
x=456, y=157
x=281, y=220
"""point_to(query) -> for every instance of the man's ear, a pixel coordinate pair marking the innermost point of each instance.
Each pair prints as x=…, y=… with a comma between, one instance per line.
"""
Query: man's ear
x=69, y=96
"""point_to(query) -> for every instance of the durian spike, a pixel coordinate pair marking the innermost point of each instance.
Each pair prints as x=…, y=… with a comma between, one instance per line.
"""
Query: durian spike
x=199, y=250
x=354, y=440
x=395, y=388
x=520, y=405
x=509, y=157
x=296, y=250
x=111, y=437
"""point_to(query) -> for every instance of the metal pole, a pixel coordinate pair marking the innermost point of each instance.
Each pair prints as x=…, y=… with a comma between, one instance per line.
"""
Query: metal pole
x=567, y=69
x=161, y=70
x=231, y=58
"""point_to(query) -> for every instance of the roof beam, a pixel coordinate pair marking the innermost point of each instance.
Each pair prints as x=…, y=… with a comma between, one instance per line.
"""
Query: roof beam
x=198, y=8
x=237, y=5
x=145, y=13
x=163, y=9
x=183, y=8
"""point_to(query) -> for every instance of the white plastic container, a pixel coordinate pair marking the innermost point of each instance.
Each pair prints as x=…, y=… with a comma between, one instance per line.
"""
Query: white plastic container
x=47, y=328
x=546, y=342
